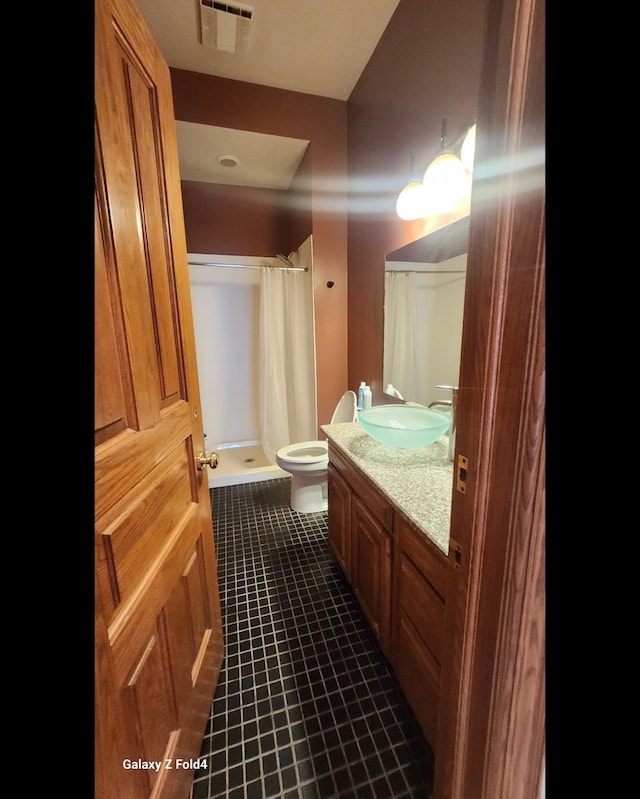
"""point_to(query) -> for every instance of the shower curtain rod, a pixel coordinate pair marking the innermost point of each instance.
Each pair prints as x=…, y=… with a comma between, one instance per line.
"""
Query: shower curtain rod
x=426, y=271
x=250, y=266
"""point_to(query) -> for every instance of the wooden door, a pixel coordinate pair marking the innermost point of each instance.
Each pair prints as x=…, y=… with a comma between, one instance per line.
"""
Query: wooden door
x=158, y=630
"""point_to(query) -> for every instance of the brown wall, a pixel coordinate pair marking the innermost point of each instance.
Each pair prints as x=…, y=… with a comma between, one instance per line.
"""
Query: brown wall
x=236, y=220
x=244, y=220
x=425, y=68
x=225, y=221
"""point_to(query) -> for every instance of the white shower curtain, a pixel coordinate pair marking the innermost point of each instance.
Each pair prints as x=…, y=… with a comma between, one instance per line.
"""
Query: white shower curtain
x=288, y=411
x=400, y=337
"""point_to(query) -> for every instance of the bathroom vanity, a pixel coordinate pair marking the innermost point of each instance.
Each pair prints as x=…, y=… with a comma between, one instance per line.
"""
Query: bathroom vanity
x=388, y=519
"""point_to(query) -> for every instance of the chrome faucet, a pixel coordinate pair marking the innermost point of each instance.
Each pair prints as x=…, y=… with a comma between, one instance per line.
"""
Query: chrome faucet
x=449, y=404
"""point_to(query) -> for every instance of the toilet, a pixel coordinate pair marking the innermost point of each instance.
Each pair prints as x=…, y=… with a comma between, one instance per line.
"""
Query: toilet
x=308, y=462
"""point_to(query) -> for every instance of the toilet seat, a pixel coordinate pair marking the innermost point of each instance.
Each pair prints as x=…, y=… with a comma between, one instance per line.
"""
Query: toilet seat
x=308, y=462
x=305, y=451
x=306, y=456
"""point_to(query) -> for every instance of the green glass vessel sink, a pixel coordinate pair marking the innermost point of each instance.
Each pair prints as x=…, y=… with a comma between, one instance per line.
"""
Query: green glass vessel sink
x=407, y=426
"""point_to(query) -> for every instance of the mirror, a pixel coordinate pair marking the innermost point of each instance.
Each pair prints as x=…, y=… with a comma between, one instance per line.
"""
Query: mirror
x=423, y=309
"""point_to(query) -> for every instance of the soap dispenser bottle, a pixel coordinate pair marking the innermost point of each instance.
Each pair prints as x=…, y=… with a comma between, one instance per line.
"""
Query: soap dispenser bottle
x=360, y=404
x=366, y=402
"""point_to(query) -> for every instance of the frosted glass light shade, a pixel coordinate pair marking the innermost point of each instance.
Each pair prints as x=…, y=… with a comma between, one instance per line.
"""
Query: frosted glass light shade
x=468, y=150
x=411, y=201
x=446, y=182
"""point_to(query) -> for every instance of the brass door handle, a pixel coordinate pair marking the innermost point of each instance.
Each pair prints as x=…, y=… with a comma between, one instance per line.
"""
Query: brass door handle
x=203, y=460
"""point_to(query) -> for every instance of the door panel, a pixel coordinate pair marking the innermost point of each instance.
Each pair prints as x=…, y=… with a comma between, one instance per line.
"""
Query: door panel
x=339, y=520
x=109, y=391
x=154, y=702
x=371, y=570
x=158, y=625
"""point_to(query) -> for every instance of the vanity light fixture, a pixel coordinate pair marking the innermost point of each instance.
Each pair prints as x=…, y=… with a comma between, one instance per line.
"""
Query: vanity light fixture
x=411, y=200
x=446, y=180
x=468, y=149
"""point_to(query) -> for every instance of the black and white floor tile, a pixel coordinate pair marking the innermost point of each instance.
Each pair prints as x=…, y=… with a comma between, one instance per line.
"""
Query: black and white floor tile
x=307, y=706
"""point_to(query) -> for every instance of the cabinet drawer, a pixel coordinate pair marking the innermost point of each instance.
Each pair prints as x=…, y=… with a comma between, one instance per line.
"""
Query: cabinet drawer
x=368, y=492
x=432, y=564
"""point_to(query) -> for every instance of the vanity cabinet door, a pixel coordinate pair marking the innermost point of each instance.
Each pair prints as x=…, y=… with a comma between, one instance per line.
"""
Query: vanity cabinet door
x=339, y=519
x=420, y=589
x=371, y=569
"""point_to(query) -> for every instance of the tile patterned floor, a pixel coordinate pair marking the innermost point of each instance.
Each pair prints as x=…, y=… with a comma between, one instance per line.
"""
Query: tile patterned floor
x=306, y=706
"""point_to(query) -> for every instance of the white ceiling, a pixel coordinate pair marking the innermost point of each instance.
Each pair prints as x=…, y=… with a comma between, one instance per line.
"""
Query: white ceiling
x=316, y=47
x=261, y=160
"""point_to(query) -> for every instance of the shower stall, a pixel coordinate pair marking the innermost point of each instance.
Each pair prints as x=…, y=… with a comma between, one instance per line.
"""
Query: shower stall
x=226, y=302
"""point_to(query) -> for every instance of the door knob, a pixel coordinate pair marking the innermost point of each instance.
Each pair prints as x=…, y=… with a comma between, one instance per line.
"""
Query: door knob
x=210, y=460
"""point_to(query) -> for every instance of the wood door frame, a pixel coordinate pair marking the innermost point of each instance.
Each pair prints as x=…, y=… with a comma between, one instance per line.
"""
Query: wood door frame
x=491, y=737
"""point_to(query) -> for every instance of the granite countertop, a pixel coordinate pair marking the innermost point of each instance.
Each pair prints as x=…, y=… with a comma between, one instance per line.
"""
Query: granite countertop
x=418, y=481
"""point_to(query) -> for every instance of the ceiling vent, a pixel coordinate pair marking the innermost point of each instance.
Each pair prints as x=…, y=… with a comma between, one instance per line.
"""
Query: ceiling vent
x=225, y=26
